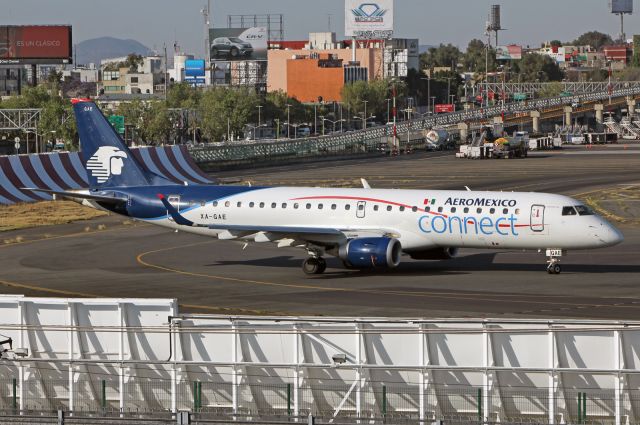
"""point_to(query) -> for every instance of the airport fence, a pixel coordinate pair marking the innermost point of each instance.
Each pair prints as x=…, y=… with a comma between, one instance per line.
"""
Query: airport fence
x=373, y=401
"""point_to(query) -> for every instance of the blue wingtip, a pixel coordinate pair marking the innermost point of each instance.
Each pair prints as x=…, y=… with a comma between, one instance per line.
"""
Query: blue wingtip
x=177, y=217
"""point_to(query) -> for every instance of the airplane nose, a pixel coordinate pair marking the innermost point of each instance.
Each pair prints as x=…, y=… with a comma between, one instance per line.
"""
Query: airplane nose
x=608, y=234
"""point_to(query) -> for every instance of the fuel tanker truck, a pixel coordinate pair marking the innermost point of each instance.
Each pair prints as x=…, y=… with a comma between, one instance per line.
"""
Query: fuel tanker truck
x=436, y=140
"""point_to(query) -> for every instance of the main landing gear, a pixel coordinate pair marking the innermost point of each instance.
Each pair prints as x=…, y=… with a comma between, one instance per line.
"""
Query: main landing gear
x=314, y=265
x=553, y=262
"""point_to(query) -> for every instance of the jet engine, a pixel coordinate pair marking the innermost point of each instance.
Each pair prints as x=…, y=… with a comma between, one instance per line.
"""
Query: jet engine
x=370, y=253
x=435, y=254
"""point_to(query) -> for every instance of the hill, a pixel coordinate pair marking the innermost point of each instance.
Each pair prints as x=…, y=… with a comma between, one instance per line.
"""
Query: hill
x=96, y=49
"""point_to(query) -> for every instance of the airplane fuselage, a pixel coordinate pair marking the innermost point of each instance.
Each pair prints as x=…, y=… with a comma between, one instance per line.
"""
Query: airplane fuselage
x=419, y=219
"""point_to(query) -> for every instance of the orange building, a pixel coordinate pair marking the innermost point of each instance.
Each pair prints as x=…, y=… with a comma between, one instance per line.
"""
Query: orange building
x=315, y=79
x=279, y=60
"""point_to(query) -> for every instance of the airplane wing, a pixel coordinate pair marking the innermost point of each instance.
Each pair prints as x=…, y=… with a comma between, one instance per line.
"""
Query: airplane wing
x=80, y=195
x=283, y=235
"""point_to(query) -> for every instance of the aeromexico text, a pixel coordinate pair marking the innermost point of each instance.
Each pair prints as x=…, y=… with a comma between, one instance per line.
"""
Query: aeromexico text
x=481, y=202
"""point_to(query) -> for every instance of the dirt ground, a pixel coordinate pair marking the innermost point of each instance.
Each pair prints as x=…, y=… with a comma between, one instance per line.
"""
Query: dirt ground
x=22, y=216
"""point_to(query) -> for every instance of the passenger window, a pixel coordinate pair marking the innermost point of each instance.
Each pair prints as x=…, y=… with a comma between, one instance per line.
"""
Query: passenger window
x=439, y=209
x=466, y=210
x=320, y=206
x=284, y=205
x=584, y=210
x=295, y=206
x=360, y=207
x=505, y=211
x=202, y=204
x=261, y=204
x=479, y=210
x=376, y=207
x=401, y=208
x=215, y=203
x=492, y=210
x=227, y=204
x=517, y=211
x=334, y=206
x=569, y=211
x=388, y=207
x=347, y=207
x=427, y=209
x=308, y=206
x=239, y=204
x=414, y=209
x=273, y=205
x=251, y=204
x=453, y=209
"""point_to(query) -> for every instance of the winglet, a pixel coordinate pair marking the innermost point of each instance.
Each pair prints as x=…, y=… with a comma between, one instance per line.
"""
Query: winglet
x=365, y=184
x=177, y=217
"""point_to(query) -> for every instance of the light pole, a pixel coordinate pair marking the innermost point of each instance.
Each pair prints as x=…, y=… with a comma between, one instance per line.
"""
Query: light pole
x=322, y=118
x=433, y=104
x=428, y=91
x=332, y=122
x=365, y=112
x=277, y=120
x=388, y=110
x=288, y=121
x=315, y=120
x=259, y=111
x=408, y=111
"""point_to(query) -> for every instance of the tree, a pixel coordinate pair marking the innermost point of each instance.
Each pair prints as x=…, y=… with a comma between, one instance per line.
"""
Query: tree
x=475, y=56
x=555, y=43
x=445, y=55
x=535, y=67
x=224, y=106
x=373, y=92
x=595, y=39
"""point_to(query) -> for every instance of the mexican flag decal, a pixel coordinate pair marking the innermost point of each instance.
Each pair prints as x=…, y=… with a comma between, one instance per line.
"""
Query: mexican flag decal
x=429, y=201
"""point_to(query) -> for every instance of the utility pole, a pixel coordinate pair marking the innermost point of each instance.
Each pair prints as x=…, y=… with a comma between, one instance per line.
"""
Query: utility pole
x=365, y=114
x=165, y=72
x=259, y=110
x=288, y=121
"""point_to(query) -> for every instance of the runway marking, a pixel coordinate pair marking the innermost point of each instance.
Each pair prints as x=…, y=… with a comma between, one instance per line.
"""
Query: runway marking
x=440, y=295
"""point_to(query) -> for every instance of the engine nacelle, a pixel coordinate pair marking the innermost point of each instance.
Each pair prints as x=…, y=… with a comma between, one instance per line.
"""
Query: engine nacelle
x=369, y=253
x=435, y=254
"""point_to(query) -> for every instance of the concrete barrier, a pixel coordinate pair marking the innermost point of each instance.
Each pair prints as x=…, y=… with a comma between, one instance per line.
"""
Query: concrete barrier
x=65, y=170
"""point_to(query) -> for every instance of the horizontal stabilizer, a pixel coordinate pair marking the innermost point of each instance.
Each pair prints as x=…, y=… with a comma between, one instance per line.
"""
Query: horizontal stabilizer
x=80, y=195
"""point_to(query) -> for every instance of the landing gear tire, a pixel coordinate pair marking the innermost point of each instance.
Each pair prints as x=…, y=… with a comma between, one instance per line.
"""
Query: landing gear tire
x=314, y=265
x=554, y=268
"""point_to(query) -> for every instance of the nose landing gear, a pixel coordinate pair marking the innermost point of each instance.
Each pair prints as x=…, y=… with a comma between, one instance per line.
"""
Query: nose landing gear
x=553, y=262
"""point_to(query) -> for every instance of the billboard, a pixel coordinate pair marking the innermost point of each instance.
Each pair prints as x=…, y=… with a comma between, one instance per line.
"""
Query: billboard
x=621, y=6
x=33, y=44
x=443, y=108
x=511, y=52
x=368, y=19
x=238, y=43
x=194, y=68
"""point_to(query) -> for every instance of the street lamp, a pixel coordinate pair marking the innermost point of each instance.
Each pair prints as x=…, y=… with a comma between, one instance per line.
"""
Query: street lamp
x=388, y=110
x=259, y=110
x=288, y=120
x=365, y=112
x=428, y=91
x=332, y=122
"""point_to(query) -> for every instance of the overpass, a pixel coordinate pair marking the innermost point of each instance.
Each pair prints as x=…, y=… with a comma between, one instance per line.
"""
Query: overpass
x=578, y=87
x=369, y=140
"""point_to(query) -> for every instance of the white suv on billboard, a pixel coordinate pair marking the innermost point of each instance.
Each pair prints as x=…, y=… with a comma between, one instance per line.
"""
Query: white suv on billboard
x=230, y=46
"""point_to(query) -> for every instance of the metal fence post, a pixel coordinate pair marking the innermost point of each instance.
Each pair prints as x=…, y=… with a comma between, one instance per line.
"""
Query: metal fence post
x=579, y=408
x=384, y=401
x=104, y=394
x=195, y=396
x=199, y=395
x=480, y=404
x=15, y=394
x=289, y=399
x=584, y=407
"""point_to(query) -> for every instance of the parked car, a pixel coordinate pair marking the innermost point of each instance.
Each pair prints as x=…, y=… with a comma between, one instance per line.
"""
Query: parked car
x=230, y=46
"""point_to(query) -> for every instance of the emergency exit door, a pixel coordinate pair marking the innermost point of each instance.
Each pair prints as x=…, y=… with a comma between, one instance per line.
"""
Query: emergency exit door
x=537, y=218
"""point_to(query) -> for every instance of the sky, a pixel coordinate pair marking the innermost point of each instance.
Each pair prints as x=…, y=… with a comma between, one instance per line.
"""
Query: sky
x=155, y=22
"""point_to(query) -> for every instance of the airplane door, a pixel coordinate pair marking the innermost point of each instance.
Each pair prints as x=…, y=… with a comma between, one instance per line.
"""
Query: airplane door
x=174, y=200
x=537, y=218
x=360, y=209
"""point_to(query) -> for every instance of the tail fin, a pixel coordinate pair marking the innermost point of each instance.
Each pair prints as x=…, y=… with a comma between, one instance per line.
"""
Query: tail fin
x=108, y=161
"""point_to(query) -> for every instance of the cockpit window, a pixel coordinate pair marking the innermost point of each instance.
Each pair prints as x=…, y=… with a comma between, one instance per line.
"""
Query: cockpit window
x=569, y=211
x=584, y=210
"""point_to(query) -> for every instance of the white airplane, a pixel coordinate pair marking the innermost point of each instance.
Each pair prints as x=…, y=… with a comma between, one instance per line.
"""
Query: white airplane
x=365, y=228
